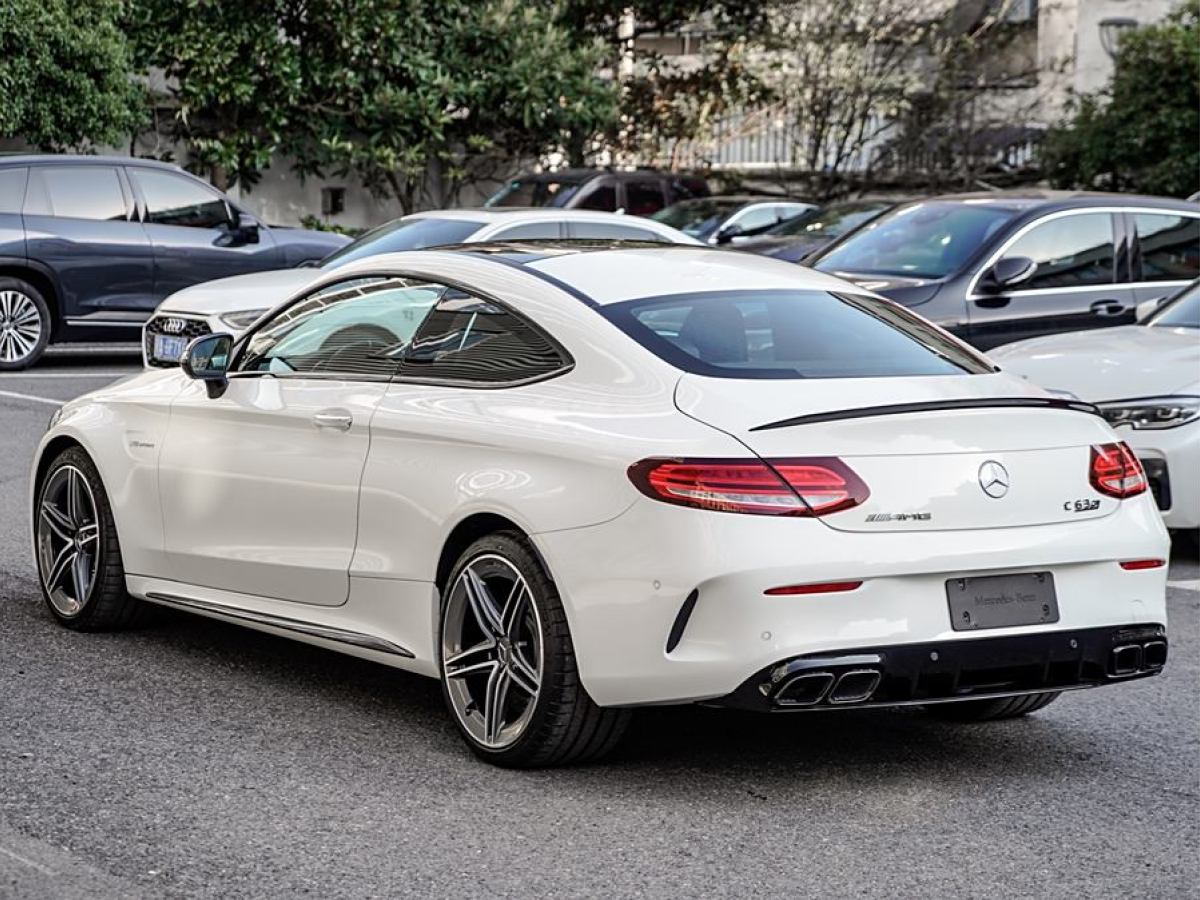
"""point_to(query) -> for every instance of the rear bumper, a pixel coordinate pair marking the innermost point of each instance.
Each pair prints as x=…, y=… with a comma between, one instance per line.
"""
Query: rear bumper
x=943, y=672
x=625, y=586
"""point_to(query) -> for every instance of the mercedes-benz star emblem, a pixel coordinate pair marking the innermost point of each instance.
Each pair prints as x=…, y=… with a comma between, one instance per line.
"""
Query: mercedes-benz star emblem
x=993, y=478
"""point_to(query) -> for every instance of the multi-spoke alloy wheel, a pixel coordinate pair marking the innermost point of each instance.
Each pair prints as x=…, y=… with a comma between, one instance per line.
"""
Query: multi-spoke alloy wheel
x=492, y=651
x=78, y=555
x=68, y=540
x=24, y=324
x=509, y=673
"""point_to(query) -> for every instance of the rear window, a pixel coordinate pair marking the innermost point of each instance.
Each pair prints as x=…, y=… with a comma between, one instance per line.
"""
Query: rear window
x=403, y=234
x=791, y=334
x=534, y=192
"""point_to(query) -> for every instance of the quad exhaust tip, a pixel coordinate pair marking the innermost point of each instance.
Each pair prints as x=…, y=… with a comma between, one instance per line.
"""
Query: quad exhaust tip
x=1129, y=659
x=811, y=688
x=855, y=686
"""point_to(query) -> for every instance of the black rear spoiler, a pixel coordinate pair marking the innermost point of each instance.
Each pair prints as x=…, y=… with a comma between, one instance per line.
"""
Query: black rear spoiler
x=900, y=409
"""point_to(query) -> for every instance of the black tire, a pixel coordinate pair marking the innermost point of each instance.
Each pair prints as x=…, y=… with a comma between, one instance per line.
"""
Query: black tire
x=107, y=606
x=991, y=710
x=23, y=292
x=1187, y=541
x=565, y=727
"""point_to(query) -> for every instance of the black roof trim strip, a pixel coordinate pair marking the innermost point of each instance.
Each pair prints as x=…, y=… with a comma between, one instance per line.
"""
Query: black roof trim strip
x=536, y=273
x=899, y=409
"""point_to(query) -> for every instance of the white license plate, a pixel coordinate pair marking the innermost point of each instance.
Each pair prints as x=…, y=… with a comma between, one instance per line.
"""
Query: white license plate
x=168, y=348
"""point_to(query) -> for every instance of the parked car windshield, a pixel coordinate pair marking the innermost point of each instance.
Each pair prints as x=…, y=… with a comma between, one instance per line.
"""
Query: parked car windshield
x=534, y=192
x=791, y=334
x=403, y=234
x=828, y=221
x=1182, y=312
x=922, y=240
x=699, y=218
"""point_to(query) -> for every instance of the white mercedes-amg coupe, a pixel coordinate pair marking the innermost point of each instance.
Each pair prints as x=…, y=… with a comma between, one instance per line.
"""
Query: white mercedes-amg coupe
x=567, y=481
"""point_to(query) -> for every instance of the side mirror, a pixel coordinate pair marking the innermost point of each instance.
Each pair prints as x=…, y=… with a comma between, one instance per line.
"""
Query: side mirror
x=207, y=359
x=1147, y=308
x=1007, y=273
x=247, y=228
x=729, y=232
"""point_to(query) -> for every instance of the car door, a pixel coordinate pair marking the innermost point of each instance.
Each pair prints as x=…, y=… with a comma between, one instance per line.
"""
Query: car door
x=81, y=224
x=260, y=486
x=1166, y=254
x=1074, y=285
x=194, y=232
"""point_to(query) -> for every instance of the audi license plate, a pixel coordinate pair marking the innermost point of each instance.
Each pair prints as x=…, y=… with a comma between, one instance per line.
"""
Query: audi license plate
x=169, y=348
x=1001, y=601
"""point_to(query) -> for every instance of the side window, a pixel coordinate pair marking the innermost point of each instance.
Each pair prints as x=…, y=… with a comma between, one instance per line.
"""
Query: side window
x=476, y=342
x=1069, y=250
x=76, y=192
x=686, y=189
x=757, y=218
x=12, y=189
x=643, y=197
x=604, y=231
x=353, y=329
x=531, y=231
x=174, y=200
x=603, y=198
x=1170, y=247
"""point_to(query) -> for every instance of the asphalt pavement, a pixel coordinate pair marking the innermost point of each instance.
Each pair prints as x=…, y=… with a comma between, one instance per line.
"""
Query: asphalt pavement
x=195, y=759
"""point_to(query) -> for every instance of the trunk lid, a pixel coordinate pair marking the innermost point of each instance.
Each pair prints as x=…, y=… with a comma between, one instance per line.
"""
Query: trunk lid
x=929, y=449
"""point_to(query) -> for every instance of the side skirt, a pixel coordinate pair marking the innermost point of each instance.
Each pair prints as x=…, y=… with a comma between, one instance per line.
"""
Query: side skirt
x=299, y=626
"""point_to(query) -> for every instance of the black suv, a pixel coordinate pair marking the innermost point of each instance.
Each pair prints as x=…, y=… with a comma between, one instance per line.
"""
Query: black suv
x=1005, y=266
x=641, y=192
x=89, y=245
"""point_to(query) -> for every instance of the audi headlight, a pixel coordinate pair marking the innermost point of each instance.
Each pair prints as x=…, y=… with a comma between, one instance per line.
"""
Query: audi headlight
x=242, y=319
x=1153, y=412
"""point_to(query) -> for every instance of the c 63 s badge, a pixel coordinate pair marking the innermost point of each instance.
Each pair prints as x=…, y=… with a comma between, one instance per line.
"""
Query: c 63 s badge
x=1081, y=505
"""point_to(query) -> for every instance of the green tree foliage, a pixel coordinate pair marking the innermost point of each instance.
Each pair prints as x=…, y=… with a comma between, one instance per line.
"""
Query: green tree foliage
x=64, y=74
x=233, y=75
x=664, y=104
x=390, y=90
x=1142, y=133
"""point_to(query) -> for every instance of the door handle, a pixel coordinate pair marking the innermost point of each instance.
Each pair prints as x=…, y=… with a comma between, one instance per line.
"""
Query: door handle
x=1107, y=308
x=994, y=302
x=336, y=419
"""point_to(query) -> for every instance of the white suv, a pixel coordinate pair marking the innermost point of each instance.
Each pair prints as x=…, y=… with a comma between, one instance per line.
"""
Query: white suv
x=234, y=304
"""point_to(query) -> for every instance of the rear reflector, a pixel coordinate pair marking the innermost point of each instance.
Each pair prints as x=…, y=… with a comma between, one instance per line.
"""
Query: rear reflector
x=1115, y=471
x=828, y=587
x=779, y=487
x=1134, y=564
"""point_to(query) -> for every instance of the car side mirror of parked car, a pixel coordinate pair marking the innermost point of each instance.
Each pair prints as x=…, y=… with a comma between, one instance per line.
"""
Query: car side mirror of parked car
x=1147, y=308
x=247, y=228
x=1007, y=273
x=207, y=359
x=729, y=232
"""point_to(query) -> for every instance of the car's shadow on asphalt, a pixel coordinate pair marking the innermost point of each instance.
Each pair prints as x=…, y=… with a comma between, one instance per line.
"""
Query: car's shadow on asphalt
x=672, y=747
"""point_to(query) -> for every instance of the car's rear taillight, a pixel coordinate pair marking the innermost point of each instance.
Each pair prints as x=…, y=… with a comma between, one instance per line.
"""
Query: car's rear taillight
x=778, y=487
x=1115, y=471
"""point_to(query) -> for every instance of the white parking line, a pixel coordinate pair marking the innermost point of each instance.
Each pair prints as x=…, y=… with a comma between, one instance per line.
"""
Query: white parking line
x=29, y=862
x=31, y=398
x=1192, y=584
x=22, y=376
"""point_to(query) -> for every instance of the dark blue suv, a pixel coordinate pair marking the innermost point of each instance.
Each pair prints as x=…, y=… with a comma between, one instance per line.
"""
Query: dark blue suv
x=90, y=245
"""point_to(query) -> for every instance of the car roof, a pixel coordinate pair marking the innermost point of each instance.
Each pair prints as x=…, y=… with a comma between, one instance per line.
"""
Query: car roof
x=580, y=175
x=1041, y=200
x=585, y=269
x=42, y=159
x=507, y=214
